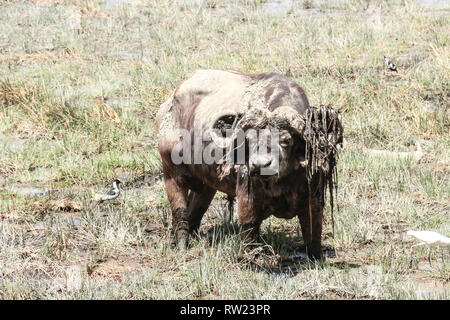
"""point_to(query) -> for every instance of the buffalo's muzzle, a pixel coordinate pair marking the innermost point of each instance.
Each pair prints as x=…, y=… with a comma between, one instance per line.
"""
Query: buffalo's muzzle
x=258, y=162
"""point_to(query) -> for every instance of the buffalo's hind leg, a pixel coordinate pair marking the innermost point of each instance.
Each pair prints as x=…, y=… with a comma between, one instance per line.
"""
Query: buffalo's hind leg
x=197, y=205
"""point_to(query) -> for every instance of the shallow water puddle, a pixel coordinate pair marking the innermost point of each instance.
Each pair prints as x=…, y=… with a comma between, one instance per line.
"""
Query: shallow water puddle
x=12, y=144
x=277, y=7
x=288, y=6
x=430, y=289
x=28, y=191
x=115, y=3
x=68, y=222
x=433, y=4
x=302, y=255
x=297, y=255
x=118, y=103
x=72, y=221
x=126, y=54
x=284, y=277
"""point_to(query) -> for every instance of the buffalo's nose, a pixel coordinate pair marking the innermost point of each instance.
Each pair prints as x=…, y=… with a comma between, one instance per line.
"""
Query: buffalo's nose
x=261, y=161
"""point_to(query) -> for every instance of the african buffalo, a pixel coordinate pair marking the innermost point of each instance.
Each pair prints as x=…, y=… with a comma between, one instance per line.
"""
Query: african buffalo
x=289, y=179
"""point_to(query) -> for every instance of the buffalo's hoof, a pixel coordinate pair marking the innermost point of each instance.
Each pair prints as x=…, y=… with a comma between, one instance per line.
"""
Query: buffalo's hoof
x=314, y=253
x=182, y=239
x=316, y=257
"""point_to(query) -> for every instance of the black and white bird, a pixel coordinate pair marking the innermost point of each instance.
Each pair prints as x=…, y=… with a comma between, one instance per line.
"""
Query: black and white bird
x=390, y=65
x=112, y=194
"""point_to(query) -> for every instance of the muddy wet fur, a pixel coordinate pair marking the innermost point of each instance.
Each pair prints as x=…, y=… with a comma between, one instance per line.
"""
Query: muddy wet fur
x=268, y=101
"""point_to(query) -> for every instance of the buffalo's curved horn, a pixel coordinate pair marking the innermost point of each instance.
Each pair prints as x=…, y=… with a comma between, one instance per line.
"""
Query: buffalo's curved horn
x=221, y=142
x=295, y=120
x=254, y=118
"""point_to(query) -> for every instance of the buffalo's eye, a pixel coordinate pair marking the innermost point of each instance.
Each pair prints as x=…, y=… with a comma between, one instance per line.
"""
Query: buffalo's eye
x=285, y=140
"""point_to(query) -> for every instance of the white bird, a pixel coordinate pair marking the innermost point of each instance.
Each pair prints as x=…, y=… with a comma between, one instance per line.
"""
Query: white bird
x=112, y=194
x=390, y=65
x=429, y=238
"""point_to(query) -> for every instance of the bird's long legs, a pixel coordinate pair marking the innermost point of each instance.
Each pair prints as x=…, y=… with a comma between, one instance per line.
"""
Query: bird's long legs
x=417, y=245
x=429, y=256
x=429, y=251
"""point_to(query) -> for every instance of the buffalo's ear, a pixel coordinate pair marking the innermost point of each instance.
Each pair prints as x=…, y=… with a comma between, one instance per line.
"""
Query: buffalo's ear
x=299, y=150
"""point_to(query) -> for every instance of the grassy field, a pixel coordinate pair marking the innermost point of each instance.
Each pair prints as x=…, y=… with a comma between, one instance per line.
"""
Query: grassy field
x=81, y=82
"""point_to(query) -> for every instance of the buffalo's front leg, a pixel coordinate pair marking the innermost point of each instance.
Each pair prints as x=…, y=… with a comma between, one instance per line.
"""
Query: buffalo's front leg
x=197, y=206
x=177, y=196
x=248, y=221
x=311, y=225
x=248, y=217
